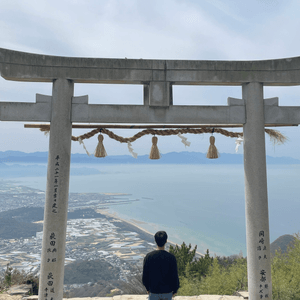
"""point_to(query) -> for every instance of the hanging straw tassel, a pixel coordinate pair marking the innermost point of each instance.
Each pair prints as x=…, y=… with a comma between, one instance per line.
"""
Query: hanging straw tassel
x=100, y=150
x=212, y=150
x=154, y=153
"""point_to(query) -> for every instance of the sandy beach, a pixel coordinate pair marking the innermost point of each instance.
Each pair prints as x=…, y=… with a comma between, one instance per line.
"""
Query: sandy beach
x=135, y=223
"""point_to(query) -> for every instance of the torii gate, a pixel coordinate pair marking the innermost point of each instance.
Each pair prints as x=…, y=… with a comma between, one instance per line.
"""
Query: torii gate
x=157, y=77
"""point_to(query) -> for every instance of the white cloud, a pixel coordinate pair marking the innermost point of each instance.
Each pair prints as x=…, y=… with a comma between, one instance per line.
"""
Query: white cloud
x=170, y=29
x=226, y=9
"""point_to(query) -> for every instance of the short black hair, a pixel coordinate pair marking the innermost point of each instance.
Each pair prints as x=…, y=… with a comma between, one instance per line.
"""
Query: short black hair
x=160, y=238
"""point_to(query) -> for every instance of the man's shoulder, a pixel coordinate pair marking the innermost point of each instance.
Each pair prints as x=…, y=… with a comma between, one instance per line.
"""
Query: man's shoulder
x=160, y=253
x=154, y=252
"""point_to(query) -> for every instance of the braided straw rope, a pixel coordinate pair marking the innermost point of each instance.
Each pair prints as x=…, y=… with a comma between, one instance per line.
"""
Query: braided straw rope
x=276, y=136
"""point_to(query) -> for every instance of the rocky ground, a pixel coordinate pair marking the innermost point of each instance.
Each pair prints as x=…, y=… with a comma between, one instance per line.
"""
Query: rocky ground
x=6, y=296
x=19, y=292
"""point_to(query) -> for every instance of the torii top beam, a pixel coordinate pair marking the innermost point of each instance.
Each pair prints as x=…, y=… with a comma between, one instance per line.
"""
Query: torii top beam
x=21, y=66
x=157, y=77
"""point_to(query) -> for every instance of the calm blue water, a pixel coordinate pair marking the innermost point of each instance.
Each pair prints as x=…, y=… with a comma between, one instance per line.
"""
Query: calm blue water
x=198, y=204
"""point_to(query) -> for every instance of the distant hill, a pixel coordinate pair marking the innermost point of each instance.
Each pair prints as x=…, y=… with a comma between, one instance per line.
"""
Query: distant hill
x=17, y=170
x=33, y=214
x=90, y=271
x=282, y=243
x=24, y=214
x=13, y=229
x=168, y=158
x=17, y=223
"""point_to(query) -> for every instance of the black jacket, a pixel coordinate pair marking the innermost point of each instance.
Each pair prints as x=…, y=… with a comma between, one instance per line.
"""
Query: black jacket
x=160, y=274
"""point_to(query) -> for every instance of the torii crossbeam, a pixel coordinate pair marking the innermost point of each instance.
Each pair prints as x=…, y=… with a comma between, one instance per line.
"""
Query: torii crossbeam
x=61, y=109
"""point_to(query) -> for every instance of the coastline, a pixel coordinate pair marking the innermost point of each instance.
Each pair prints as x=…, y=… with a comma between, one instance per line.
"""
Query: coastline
x=150, y=234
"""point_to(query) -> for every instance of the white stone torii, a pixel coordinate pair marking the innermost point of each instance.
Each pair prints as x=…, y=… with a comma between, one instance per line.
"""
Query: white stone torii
x=157, y=76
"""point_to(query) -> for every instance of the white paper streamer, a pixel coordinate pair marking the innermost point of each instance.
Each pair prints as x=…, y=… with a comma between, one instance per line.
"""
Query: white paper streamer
x=184, y=140
x=81, y=142
x=238, y=142
x=131, y=150
x=46, y=133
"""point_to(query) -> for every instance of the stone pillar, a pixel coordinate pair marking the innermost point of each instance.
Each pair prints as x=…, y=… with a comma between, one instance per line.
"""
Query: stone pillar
x=57, y=193
x=257, y=217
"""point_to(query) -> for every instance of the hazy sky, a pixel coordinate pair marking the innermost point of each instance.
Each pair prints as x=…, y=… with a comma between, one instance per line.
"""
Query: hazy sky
x=165, y=29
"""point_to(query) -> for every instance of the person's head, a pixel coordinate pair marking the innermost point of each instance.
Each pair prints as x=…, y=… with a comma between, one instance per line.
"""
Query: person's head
x=160, y=238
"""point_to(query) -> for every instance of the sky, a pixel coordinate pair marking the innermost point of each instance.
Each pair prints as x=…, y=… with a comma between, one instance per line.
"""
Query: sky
x=165, y=29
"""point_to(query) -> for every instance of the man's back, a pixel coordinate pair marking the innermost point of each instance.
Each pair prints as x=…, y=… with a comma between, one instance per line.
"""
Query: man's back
x=160, y=274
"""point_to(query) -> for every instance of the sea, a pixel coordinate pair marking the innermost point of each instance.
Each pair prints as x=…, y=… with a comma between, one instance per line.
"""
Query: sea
x=201, y=205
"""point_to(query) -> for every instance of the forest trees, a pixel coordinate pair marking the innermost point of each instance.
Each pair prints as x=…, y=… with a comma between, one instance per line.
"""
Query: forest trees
x=187, y=263
x=226, y=275
x=285, y=272
x=206, y=275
